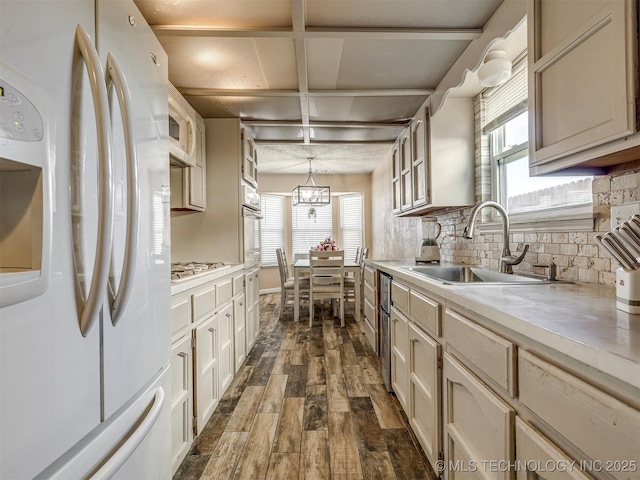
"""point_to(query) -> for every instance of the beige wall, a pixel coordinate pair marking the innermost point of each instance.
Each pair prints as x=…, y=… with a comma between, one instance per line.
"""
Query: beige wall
x=276, y=183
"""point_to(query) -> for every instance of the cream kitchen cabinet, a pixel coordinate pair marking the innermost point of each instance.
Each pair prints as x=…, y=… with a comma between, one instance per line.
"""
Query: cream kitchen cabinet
x=583, y=74
x=207, y=332
x=399, y=357
x=252, y=310
x=538, y=457
x=396, y=190
x=249, y=159
x=478, y=426
x=206, y=366
x=240, y=331
x=588, y=421
x=188, y=179
x=181, y=400
x=371, y=306
x=416, y=362
x=433, y=160
x=424, y=393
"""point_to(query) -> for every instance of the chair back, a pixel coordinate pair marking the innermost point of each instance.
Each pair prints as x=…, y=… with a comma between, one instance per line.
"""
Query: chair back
x=327, y=269
x=282, y=265
x=364, y=254
x=358, y=258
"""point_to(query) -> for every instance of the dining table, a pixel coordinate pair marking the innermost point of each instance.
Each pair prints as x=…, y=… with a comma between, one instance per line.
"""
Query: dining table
x=302, y=265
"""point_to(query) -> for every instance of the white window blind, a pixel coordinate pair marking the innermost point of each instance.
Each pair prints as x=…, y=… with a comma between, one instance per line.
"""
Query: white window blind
x=309, y=226
x=271, y=228
x=351, y=223
x=507, y=101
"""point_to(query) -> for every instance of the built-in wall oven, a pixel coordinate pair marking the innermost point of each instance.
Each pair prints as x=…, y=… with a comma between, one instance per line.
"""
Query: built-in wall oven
x=385, y=329
x=251, y=232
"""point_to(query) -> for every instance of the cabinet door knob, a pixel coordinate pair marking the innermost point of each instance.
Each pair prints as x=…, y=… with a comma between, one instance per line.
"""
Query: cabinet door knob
x=228, y=315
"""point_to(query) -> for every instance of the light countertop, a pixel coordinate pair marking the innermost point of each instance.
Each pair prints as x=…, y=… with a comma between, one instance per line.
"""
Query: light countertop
x=179, y=286
x=579, y=320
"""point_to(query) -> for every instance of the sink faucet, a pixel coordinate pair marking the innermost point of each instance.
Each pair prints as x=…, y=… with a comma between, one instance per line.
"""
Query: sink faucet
x=507, y=260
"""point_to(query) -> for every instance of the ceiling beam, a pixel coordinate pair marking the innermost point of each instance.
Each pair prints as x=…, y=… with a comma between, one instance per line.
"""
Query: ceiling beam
x=324, y=142
x=380, y=92
x=285, y=123
x=300, y=42
x=459, y=34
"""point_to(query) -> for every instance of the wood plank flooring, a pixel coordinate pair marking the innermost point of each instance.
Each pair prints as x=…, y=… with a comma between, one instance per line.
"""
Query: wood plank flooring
x=309, y=403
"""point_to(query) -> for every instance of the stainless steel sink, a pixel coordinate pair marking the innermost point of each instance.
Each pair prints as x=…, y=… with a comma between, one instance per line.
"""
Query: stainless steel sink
x=459, y=275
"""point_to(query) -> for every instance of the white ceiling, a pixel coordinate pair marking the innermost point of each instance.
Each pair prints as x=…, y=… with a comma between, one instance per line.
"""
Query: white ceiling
x=335, y=80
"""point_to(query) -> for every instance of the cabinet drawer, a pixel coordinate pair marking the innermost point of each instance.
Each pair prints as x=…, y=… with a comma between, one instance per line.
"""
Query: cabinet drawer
x=482, y=350
x=425, y=313
x=400, y=297
x=536, y=451
x=370, y=293
x=204, y=301
x=224, y=291
x=370, y=333
x=370, y=276
x=238, y=284
x=180, y=313
x=601, y=426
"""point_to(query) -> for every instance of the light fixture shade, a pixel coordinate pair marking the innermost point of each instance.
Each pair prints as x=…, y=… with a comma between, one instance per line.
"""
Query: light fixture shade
x=311, y=195
x=495, y=70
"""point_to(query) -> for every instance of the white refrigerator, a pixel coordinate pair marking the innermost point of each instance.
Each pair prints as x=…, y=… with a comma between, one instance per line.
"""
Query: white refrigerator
x=84, y=242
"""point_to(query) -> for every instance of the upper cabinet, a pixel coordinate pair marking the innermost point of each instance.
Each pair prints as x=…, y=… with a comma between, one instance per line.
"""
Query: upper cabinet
x=583, y=92
x=249, y=159
x=432, y=161
x=188, y=180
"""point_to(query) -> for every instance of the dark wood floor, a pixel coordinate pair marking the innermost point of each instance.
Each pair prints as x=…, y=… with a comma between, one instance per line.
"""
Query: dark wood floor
x=308, y=403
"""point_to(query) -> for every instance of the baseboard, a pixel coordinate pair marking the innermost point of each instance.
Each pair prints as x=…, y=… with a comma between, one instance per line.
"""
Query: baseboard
x=269, y=290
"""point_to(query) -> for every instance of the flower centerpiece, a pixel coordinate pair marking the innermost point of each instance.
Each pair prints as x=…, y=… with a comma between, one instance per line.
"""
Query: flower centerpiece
x=326, y=244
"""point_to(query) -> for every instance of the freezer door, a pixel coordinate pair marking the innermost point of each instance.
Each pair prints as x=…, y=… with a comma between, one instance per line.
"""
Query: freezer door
x=131, y=445
x=49, y=372
x=136, y=324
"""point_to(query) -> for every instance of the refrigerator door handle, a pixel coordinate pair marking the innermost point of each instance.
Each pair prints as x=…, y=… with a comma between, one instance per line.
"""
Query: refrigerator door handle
x=100, y=276
x=111, y=466
x=123, y=291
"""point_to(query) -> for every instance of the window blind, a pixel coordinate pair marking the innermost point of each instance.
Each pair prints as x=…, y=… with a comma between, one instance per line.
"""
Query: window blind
x=351, y=223
x=507, y=101
x=271, y=227
x=309, y=226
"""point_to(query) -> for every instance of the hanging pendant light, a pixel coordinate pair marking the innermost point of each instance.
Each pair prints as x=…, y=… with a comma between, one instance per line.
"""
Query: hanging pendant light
x=310, y=193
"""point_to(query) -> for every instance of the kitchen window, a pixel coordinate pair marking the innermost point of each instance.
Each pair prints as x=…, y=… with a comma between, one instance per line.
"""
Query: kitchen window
x=309, y=226
x=351, y=223
x=532, y=202
x=271, y=227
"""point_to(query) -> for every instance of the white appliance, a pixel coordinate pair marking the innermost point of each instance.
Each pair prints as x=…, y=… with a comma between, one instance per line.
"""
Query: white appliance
x=251, y=216
x=84, y=318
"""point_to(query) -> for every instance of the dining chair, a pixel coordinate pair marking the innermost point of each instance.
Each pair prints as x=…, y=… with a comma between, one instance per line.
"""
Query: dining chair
x=350, y=282
x=287, y=283
x=326, y=279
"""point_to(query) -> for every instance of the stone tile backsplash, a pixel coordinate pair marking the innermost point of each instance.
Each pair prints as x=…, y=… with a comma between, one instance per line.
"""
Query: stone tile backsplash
x=577, y=255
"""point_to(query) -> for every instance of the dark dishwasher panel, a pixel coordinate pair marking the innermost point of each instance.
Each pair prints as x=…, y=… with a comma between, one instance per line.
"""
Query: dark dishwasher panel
x=385, y=329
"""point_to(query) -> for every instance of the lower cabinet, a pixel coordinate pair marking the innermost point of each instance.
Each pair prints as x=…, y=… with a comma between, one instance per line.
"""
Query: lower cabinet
x=226, y=354
x=478, y=426
x=252, y=295
x=240, y=332
x=181, y=400
x=206, y=371
x=209, y=347
x=424, y=365
x=537, y=457
x=399, y=356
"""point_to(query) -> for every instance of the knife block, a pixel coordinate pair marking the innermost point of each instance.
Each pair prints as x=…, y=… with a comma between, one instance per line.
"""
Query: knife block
x=628, y=290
